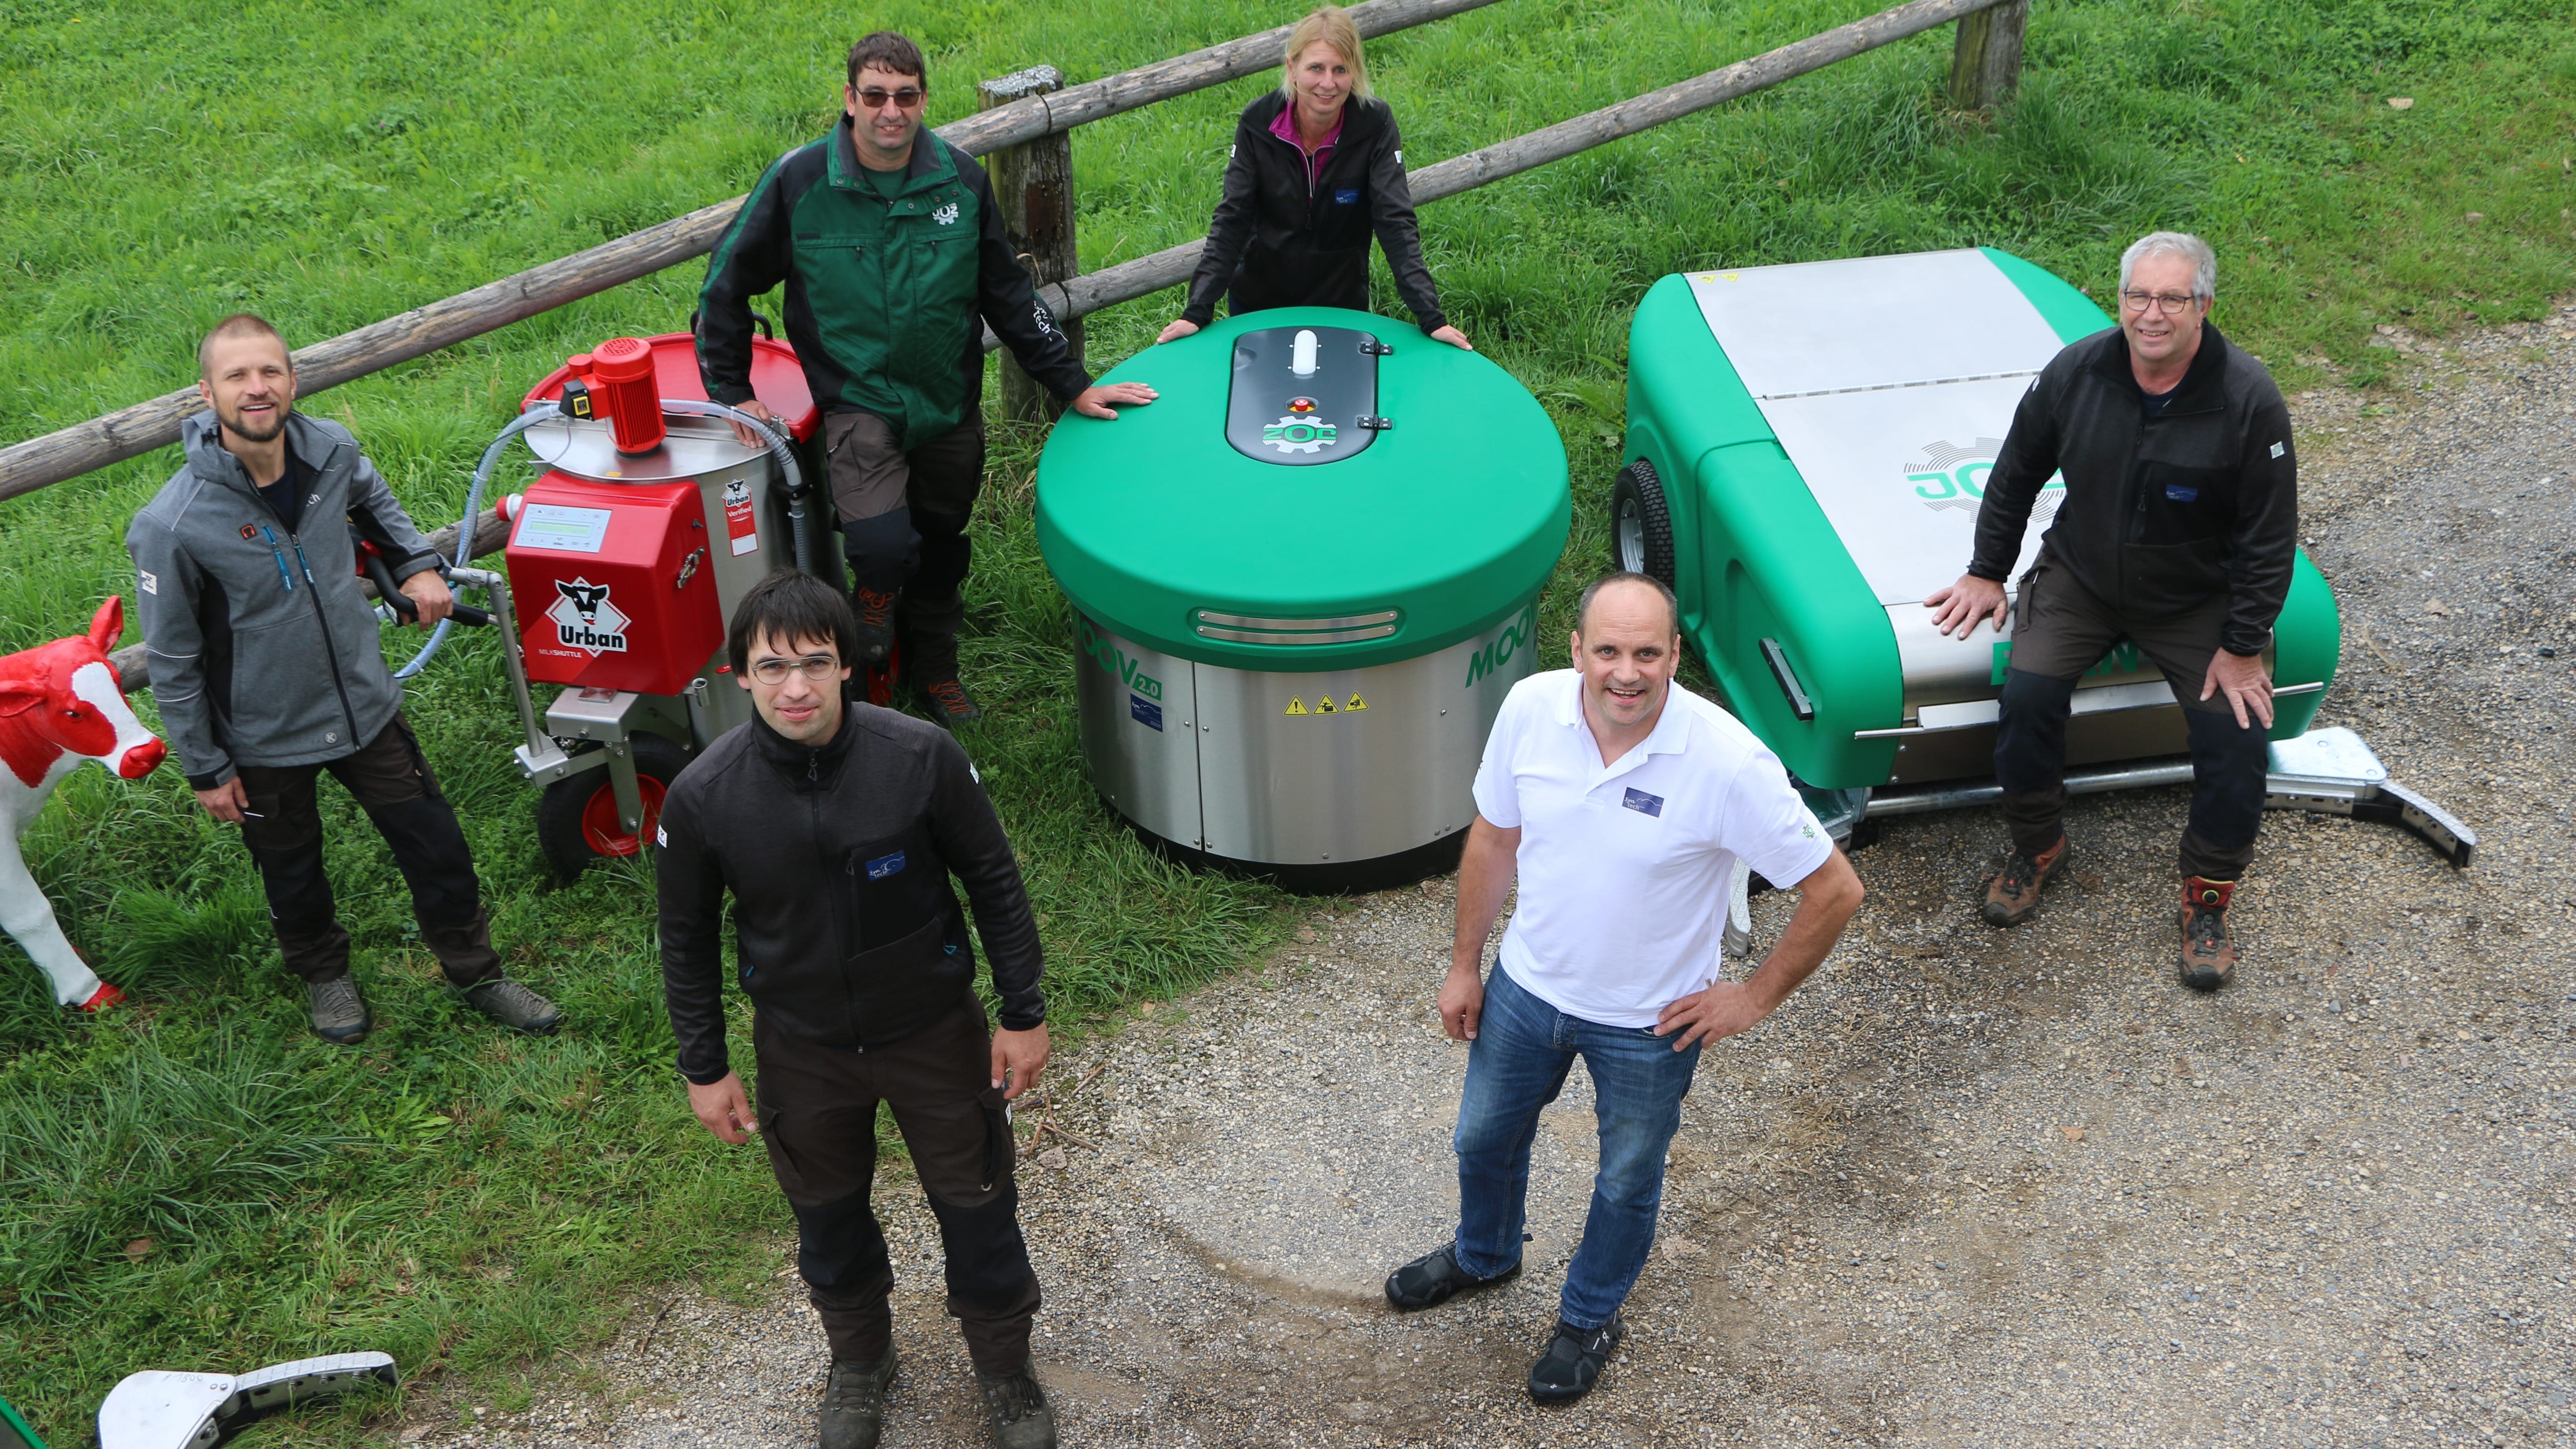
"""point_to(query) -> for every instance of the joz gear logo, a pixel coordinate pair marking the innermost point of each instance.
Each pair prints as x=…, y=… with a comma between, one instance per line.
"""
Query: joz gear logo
x=1951, y=476
x=584, y=619
x=1299, y=435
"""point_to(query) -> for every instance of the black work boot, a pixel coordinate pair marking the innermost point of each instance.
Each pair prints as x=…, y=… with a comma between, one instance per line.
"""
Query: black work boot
x=874, y=609
x=1435, y=1278
x=1017, y=1409
x=339, y=1012
x=2013, y=893
x=930, y=656
x=1573, y=1361
x=2208, y=957
x=947, y=702
x=854, y=1403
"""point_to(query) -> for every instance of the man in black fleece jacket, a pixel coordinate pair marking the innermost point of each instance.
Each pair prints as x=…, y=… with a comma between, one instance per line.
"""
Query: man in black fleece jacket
x=836, y=826
x=2179, y=530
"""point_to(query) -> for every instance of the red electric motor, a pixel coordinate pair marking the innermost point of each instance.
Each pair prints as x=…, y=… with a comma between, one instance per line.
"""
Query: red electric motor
x=614, y=381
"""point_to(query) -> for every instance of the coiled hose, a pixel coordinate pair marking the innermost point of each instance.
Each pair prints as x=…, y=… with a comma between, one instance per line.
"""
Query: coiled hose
x=471, y=524
x=778, y=449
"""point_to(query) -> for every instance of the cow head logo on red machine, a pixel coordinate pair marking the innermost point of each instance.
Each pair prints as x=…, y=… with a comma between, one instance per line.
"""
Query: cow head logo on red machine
x=584, y=619
x=62, y=703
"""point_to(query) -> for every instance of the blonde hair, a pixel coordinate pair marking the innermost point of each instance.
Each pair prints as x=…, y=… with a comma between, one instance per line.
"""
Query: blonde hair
x=1332, y=25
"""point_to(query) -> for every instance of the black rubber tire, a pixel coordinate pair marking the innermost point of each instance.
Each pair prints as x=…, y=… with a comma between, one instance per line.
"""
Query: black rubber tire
x=1638, y=497
x=560, y=810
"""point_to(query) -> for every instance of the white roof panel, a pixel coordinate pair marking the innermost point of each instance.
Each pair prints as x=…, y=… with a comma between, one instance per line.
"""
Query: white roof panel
x=1899, y=473
x=1890, y=382
x=1872, y=322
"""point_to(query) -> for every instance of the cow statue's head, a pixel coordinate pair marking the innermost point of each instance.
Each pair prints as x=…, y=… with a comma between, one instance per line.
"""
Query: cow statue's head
x=64, y=698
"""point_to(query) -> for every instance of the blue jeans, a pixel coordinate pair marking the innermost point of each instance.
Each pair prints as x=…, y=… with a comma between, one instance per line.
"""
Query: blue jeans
x=1517, y=1065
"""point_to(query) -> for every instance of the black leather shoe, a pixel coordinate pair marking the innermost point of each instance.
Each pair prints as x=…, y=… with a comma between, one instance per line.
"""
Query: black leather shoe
x=854, y=1403
x=1436, y=1278
x=1572, y=1363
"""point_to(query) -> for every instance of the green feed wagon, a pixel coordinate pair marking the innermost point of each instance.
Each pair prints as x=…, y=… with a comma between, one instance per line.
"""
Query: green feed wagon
x=1806, y=450
x=1303, y=581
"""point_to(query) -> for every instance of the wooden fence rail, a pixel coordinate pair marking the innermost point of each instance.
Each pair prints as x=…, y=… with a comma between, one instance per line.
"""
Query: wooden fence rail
x=1146, y=275
x=132, y=431
x=1984, y=67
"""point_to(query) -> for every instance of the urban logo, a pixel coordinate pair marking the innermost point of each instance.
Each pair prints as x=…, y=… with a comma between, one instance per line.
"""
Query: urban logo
x=1515, y=635
x=1951, y=476
x=1294, y=434
x=584, y=619
x=1110, y=657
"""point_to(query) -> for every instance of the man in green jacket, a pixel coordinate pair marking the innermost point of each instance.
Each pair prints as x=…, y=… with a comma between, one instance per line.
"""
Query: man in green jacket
x=894, y=256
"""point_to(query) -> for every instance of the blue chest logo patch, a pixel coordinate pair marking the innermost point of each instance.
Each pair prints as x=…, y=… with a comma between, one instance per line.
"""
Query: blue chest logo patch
x=1347, y=196
x=1643, y=803
x=2178, y=493
x=885, y=865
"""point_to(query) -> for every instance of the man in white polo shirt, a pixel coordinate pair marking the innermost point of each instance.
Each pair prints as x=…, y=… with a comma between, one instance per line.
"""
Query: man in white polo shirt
x=1623, y=802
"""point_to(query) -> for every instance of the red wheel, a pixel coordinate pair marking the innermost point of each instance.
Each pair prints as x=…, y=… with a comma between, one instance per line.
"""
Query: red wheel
x=577, y=817
x=599, y=818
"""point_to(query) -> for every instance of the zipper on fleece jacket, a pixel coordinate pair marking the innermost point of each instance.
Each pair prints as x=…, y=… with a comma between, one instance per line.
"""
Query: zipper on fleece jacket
x=1306, y=167
x=279, y=555
x=844, y=900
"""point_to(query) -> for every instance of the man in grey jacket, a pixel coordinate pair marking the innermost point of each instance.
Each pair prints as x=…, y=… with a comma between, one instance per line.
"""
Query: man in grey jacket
x=267, y=669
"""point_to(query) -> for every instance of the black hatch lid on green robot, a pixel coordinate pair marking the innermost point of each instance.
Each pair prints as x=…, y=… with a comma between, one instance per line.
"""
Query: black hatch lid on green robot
x=1304, y=395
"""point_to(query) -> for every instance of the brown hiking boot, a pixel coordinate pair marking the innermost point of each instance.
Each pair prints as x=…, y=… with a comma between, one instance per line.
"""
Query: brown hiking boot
x=875, y=610
x=2013, y=893
x=2208, y=957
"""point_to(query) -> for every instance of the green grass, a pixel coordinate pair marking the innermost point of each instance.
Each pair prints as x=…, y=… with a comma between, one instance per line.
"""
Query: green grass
x=476, y=1204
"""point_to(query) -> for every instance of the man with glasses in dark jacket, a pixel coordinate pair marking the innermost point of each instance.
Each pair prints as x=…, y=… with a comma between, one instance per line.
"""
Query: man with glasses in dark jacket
x=892, y=249
x=2179, y=530
x=836, y=827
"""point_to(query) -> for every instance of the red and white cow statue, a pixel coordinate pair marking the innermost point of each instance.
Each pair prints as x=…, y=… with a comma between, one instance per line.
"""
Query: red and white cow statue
x=61, y=704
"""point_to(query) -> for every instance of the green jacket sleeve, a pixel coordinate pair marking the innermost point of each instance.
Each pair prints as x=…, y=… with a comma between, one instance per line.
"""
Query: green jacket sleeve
x=753, y=257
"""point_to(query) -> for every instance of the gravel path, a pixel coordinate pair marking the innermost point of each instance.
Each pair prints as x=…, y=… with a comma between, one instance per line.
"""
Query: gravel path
x=1967, y=1188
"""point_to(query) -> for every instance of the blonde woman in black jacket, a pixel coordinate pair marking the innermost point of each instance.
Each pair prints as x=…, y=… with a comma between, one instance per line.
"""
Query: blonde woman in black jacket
x=1316, y=169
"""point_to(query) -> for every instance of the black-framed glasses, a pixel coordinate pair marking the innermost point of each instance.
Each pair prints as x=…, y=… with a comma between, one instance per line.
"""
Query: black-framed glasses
x=2166, y=302
x=875, y=97
x=815, y=667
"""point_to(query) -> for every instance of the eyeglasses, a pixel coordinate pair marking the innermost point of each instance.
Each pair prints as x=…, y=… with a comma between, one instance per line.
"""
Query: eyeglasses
x=2166, y=302
x=874, y=98
x=815, y=667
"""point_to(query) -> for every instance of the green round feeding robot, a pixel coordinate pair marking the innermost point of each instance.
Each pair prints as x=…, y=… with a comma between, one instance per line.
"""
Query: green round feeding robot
x=1303, y=582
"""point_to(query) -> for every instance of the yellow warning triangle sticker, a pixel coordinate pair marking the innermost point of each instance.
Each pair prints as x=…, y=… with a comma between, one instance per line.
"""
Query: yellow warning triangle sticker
x=1324, y=705
x=1356, y=703
x=1295, y=706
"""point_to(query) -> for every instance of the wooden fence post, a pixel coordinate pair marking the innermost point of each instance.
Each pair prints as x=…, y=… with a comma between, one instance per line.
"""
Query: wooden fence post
x=1034, y=183
x=1986, y=66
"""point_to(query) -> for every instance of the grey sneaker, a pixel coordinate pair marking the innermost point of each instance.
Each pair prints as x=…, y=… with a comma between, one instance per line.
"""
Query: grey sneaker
x=339, y=1013
x=513, y=1005
x=1017, y=1409
x=854, y=1403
